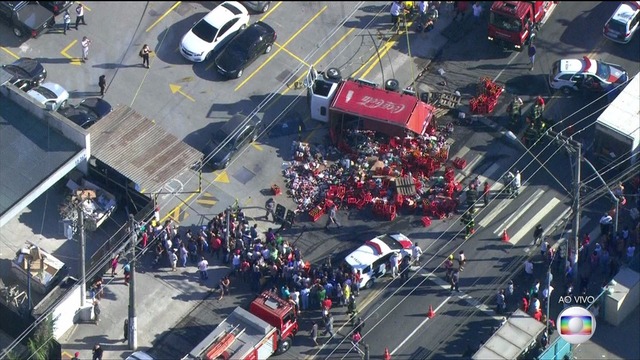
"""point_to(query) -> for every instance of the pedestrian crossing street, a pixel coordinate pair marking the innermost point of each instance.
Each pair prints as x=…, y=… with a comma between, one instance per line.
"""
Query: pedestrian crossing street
x=519, y=216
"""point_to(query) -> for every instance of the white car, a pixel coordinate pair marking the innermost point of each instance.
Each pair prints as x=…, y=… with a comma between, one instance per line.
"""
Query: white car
x=372, y=258
x=588, y=74
x=623, y=23
x=213, y=31
x=51, y=95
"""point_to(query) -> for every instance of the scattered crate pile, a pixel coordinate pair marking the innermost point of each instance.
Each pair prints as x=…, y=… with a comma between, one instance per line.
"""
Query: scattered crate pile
x=488, y=98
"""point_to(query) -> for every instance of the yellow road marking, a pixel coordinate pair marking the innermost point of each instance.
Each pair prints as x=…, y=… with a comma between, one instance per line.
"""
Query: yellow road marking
x=270, y=11
x=283, y=45
x=176, y=89
x=207, y=199
x=163, y=16
x=177, y=208
x=10, y=52
x=257, y=147
x=74, y=60
x=67, y=355
x=291, y=54
x=317, y=61
x=223, y=177
x=375, y=62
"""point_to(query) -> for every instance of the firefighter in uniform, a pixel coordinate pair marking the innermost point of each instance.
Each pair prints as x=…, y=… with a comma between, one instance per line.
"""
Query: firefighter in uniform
x=469, y=223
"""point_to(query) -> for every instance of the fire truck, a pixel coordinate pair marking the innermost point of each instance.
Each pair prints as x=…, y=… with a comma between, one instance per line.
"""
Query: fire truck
x=267, y=328
x=513, y=24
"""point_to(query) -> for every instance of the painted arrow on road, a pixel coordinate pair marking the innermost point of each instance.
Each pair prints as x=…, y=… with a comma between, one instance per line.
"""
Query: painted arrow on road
x=176, y=89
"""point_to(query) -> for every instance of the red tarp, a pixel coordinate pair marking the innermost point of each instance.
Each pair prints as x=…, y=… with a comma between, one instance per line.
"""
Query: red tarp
x=386, y=107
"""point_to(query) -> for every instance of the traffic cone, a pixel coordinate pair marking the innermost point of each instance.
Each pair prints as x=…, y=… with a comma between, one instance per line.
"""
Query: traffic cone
x=505, y=236
x=386, y=355
x=431, y=313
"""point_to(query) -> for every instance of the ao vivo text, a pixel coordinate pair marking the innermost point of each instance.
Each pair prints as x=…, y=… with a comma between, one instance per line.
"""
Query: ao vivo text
x=577, y=299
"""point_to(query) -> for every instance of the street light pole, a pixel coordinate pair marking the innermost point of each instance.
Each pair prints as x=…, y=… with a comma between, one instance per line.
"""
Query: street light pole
x=615, y=198
x=576, y=210
x=83, y=250
x=133, y=326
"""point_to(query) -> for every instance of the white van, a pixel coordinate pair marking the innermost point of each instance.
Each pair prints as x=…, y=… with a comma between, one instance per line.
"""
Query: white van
x=372, y=258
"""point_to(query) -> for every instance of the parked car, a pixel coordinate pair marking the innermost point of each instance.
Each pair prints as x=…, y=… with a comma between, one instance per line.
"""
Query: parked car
x=87, y=112
x=245, y=48
x=26, y=17
x=585, y=74
x=257, y=6
x=232, y=136
x=56, y=7
x=623, y=23
x=26, y=73
x=139, y=355
x=51, y=95
x=213, y=31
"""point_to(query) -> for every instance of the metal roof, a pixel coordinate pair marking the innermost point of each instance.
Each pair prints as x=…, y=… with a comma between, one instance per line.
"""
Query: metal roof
x=135, y=146
x=512, y=338
x=623, y=113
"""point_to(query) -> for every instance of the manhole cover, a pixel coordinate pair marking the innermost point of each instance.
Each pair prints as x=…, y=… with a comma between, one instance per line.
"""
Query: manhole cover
x=283, y=76
x=244, y=175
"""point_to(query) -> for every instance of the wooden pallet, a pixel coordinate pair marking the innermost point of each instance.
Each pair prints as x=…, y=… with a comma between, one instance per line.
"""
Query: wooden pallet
x=440, y=112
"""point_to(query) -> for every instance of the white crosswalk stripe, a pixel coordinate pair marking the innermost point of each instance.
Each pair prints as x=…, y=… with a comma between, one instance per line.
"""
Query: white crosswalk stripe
x=516, y=215
x=495, y=212
x=534, y=220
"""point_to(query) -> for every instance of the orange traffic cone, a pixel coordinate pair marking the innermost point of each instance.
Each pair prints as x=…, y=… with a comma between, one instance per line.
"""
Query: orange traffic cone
x=431, y=313
x=505, y=236
x=386, y=355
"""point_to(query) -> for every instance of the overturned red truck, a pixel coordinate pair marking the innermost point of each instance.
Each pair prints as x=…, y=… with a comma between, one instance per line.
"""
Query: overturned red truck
x=512, y=24
x=362, y=105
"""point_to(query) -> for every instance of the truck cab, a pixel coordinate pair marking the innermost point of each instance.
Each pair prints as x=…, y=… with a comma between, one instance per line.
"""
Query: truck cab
x=278, y=313
x=512, y=24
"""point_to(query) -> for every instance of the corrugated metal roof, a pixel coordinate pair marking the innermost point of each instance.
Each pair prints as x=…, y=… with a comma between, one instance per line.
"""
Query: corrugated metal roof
x=139, y=149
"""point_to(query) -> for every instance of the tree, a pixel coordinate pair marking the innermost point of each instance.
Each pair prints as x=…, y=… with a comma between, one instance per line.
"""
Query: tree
x=40, y=342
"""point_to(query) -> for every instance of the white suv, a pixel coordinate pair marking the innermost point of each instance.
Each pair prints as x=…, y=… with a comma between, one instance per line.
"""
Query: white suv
x=623, y=23
x=372, y=258
x=213, y=31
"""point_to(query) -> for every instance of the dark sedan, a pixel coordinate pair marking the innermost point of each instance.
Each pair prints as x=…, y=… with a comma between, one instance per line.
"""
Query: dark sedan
x=245, y=48
x=26, y=73
x=87, y=112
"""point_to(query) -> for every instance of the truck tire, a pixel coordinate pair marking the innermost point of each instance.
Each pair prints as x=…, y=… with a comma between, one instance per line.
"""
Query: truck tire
x=284, y=345
x=334, y=74
x=392, y=85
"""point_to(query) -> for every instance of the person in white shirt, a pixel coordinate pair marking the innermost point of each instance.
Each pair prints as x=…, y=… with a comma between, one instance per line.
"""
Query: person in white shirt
x=397, y=7
x=415, y=253
x=528, y=268
x=202, y=267
x=393, y=261
x=477, y=10
x=517, y=182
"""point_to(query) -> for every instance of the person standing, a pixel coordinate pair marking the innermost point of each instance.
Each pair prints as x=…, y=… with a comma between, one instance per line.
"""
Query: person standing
x=144, y=53
x=532, y=55
x=125, y=330
x=544, y=247
x=127, y=273
x=605, y=224
x=114, y=264
x=328, y=325
x=461, y=9
x=76, y=356
x=102, y=83
x=202, y=267
x=477, y=11
x=462, y=260
x=313, y=333
x=96, y=311
x=501, y=303
x=270, y=206
x=184, y=255
x=397, y=8
x=416, y=251
x=423, y=7
x=517, y=182
x=485, y=193
x=332, y=217
x=66, y=19
x=97, y=352
x=455, y=278
x=174, y=260
x=85, y=48
x=225, y=283
x=80, y=15
x=393, y=263
x=537, y=234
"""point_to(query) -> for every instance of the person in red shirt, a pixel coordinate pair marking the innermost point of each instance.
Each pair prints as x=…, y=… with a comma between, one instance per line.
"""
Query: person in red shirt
x=245, y=268
x=326, y=304
x=485, y=193
x=525, y=304
x=538, y=315
x=216, y=245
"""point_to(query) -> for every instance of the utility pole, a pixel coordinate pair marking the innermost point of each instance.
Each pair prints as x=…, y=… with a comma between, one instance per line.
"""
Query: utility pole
x=83, y=250
x=576, y=208
x=133, y=326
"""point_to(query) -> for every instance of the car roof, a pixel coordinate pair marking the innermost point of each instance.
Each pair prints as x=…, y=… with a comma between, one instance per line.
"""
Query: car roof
x=254, y=31
x=584, y=65
x=375, y=248
x=223, y=12
x=626, y=11
x=56, y=88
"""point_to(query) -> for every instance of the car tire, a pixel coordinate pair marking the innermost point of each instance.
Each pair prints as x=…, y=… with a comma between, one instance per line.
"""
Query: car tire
x=369, y=284
x=268, y=49
x=265, y=8
x=334, y=74
x=566, y=90
x=244, y=26
x=239, y=74
x=63, y=105
x=284, y=345
x=18, y=32
x=225, y=165
x=392, y=85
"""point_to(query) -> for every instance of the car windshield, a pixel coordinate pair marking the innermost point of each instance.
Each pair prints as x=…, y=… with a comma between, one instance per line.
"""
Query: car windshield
x=16, y=71
x=205, y=31
x=505, y=23
x=618, y=26
x=48, y=94
x=220, y=138
x=90, y=114
x=603, y=70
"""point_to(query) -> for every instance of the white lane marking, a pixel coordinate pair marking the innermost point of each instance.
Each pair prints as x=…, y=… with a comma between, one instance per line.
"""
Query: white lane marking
x=463, y=151
x=516, y=215
x=486, y=221
x=535, y=220
x=419, y=326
